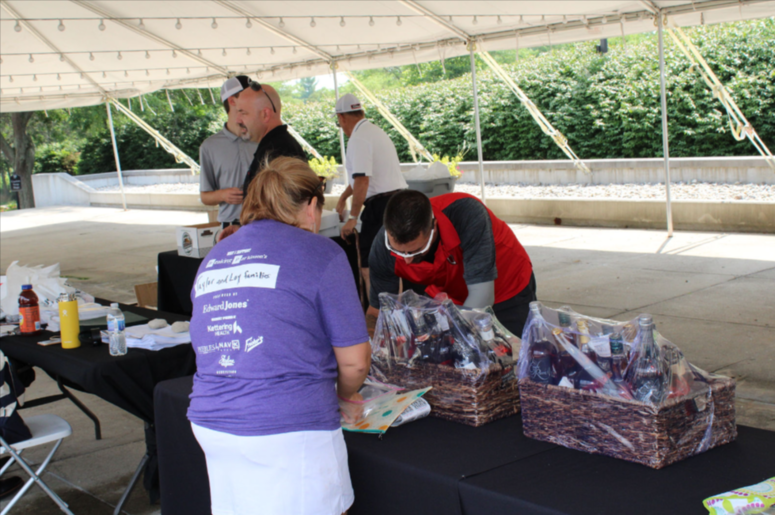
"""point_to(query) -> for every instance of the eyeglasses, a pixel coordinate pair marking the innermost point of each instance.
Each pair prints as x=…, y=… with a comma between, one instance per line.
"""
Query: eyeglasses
x=407, y=255
x=255, y=86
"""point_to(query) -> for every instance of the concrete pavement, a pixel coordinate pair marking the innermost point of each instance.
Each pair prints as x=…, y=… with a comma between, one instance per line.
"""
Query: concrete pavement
x=713, y=294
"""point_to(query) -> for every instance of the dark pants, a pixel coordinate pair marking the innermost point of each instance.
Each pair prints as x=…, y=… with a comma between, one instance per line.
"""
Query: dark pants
x=371, y=222
x=512, y=313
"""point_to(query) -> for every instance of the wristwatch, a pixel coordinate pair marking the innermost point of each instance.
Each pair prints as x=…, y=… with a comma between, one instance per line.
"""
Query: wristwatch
x=353, y=217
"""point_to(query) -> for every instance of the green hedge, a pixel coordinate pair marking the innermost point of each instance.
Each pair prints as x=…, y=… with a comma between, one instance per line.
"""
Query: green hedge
x=608, y=106
x=56, y=158
x=137, y=149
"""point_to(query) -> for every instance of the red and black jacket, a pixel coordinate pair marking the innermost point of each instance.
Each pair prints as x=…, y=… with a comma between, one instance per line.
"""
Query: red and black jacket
x=474, y=246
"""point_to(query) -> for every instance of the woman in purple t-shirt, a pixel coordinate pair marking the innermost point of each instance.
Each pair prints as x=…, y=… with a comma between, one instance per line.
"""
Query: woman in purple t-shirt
x=279, y=333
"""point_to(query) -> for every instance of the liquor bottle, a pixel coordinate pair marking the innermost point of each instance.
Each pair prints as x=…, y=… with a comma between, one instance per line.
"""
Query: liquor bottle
x=446, y=339
x=434, y=341
x=421, y=335
x=646, y=372
x=482, y=322
x=543, y=354
x=602, y=348
x=568, y=366
x=680, y=376
x=618, y=359
x=389, y=344
x=499, y=349
x=465, y=349
x=584, y=379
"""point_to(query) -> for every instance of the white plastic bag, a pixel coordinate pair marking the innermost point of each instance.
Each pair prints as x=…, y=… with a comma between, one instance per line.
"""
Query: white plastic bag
x=45, y=281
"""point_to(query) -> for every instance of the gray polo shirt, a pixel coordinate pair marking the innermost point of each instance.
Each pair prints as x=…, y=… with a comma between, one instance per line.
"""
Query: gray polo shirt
x=225, y=159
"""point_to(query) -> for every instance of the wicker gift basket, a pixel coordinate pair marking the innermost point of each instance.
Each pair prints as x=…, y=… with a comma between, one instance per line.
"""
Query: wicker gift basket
x=466, y=355
x=619, y=389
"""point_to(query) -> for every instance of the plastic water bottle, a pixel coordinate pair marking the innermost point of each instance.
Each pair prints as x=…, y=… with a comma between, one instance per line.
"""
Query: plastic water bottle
x=116, y=327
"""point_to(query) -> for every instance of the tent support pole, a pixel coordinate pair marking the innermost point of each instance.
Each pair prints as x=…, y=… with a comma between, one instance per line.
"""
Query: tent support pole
x=341, y=132
x=471, y=48
x=115, y=154
x=665, y=144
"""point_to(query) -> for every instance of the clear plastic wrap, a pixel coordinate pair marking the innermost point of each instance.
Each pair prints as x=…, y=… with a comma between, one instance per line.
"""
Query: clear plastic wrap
x=626, y=360
x=631, y=364
x=412, y=329
x=466, y=354
x=382, y=404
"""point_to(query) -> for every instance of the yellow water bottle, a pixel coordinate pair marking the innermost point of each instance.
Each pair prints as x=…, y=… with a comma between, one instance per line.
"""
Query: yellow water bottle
x=69, y=324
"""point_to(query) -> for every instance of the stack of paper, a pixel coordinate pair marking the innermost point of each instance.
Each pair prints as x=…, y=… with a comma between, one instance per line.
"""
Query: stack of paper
x=143, y=337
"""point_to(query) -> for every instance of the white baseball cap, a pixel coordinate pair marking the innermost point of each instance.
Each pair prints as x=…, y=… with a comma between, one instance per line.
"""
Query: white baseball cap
x=348, y=103
x=234, y=85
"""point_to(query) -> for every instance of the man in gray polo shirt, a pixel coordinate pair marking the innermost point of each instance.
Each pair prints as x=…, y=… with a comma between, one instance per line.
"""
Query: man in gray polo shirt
x=225, y=158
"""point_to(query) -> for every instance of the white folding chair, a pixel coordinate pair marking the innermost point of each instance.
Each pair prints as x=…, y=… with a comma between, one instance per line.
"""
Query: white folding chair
x=44, y=429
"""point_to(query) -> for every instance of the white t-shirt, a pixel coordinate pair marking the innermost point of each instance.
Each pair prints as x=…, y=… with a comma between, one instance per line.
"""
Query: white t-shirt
x=370, y=152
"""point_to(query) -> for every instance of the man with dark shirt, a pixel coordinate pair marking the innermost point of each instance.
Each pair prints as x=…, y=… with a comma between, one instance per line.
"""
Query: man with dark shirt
x=260, y=111
x=452, y=244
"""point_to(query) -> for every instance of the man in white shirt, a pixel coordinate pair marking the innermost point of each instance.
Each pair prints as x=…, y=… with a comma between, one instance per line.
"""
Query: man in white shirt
x=225, y=158
x=373, y=172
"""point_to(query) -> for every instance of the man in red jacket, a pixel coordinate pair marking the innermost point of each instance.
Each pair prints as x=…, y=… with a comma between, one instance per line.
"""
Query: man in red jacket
x=452, y=244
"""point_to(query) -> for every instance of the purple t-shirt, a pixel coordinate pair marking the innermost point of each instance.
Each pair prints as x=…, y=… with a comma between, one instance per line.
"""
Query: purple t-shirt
x=271, y=302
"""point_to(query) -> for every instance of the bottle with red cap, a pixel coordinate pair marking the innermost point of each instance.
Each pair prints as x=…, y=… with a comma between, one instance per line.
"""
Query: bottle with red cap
x=29, y=312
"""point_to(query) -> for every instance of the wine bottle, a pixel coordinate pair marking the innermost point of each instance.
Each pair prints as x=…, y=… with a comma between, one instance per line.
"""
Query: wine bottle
x=618, y=359
x=646, y=372
x=543, y=354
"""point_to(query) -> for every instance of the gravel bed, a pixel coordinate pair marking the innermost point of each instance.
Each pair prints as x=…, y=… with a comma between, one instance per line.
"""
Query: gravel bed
x=678, y=191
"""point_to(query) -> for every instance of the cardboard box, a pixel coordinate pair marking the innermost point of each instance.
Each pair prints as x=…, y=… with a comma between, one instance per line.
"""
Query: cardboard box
x=196, y=240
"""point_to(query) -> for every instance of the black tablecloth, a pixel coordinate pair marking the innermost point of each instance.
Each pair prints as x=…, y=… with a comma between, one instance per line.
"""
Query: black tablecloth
x=185, y=489
x=125, y=381
x=567, y=482
x=434, y=467
x=177, y=274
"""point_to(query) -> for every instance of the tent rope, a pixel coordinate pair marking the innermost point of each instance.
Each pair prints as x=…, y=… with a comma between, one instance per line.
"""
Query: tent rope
x=309, y=148
x=537, y=115
x=167, y=145
x=415, y=147
x=738, y=123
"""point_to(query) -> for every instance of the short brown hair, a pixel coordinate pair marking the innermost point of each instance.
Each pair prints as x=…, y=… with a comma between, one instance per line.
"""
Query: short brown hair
x=226, y=106
x=280, y=190
x=354, y=114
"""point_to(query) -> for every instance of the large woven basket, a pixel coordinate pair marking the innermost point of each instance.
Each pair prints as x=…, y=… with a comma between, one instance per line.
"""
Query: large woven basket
x=630, y=430
x=465, y=396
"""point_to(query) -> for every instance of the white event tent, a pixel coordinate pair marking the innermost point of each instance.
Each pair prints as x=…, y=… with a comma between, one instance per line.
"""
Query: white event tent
x=70, y=53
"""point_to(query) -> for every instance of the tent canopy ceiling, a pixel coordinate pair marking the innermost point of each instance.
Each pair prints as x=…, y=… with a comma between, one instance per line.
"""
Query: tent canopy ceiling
x=74, y=53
